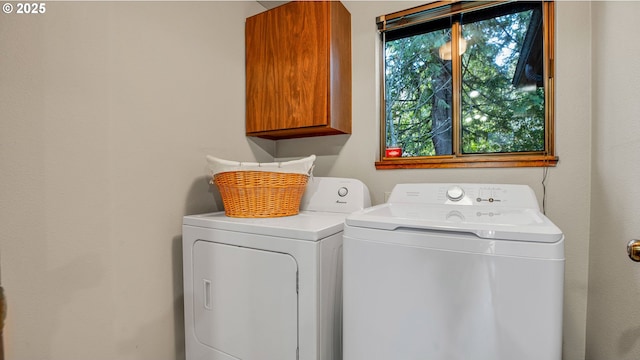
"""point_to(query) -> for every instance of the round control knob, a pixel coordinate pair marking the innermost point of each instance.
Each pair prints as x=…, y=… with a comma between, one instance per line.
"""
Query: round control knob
x=343, y=191
x=455, y=193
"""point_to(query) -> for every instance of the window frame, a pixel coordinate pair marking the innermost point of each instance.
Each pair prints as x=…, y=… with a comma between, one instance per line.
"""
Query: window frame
x=438, y=9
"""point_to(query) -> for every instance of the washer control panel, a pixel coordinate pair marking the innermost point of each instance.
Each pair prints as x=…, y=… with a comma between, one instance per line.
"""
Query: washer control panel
x=492, y=195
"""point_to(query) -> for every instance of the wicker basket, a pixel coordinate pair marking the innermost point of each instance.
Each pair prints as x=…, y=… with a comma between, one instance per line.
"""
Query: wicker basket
x=260, y=194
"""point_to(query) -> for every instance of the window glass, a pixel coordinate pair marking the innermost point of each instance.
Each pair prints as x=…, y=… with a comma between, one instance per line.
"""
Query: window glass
x=418, y=94
x=502, y=88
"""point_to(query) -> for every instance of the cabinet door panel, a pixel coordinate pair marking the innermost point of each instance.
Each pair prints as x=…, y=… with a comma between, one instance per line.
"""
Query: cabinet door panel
x=287, y=62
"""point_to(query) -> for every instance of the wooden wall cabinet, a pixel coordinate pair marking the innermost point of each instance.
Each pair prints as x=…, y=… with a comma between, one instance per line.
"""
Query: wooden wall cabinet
x=298, y=70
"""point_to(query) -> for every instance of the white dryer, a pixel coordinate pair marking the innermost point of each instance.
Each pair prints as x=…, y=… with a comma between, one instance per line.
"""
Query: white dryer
x=269, y=288
x=453, y=272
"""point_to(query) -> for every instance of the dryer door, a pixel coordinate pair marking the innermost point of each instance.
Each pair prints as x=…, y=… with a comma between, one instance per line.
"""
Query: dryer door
x=245, y=301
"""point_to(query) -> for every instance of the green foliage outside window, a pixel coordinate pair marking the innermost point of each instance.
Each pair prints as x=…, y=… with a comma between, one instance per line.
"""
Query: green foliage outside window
x=501, y=91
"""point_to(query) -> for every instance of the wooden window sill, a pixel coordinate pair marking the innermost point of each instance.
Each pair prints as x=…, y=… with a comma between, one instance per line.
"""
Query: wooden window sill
x=486, y=161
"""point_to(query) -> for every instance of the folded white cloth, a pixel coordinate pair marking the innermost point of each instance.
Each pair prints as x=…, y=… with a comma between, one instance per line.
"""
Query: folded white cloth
x=300, y=166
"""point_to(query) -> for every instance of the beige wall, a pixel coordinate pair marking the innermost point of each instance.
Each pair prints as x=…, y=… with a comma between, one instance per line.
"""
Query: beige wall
x=106, y=112
x=613, y=323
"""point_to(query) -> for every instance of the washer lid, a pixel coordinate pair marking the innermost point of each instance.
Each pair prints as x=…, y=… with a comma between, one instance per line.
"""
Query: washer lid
x=485, y=222
x=307, y=225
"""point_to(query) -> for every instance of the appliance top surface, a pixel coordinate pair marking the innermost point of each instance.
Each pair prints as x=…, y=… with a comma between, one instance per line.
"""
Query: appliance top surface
x=307, y=225
x=508, y=212
x=324, y=205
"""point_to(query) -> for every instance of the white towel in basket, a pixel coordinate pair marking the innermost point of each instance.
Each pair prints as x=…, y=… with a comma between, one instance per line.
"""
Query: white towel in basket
x=300, y=166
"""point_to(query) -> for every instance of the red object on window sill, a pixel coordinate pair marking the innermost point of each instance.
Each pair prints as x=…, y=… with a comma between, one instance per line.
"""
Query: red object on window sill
x=393, y=152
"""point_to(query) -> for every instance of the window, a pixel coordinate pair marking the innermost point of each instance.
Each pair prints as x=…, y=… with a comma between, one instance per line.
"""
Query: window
x=467, y=84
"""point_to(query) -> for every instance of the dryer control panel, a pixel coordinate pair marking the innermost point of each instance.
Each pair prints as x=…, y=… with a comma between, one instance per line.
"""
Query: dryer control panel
x=492, y=195
x=337, y=195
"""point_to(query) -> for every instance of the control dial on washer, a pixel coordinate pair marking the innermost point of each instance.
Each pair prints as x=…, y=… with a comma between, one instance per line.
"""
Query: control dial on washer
x=343, y=191
x=455, y=193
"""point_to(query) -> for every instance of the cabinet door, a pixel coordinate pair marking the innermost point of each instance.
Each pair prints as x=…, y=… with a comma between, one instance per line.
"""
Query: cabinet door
x=245, y=301
x=287, y=67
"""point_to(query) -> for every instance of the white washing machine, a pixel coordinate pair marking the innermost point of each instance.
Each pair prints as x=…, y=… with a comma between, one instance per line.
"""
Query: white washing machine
x=453, y=272
x=269, y=288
